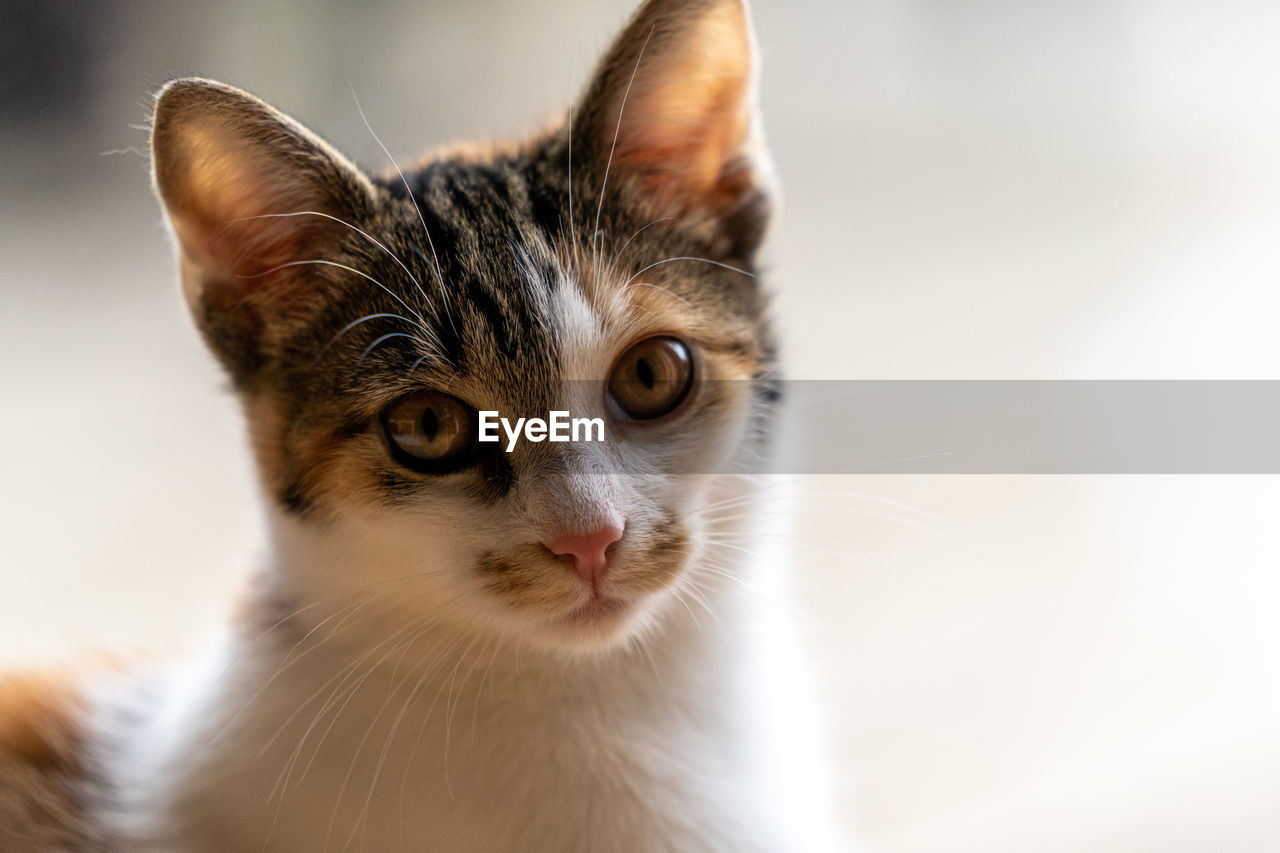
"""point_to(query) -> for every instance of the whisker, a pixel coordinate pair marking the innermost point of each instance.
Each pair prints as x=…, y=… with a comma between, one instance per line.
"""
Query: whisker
x=687, y=258
x=618, y=254
x=362, y=233
x=349, y=610
x=658, y=287
x=445, y=648
x=366, y=318
x=695, y=591
x=370, y=348
x=844, y=551
x=348, y=670
x=430, y=264
x=423, y=630
x=415, y=365
x=289, y=660
x=573, y=231
x=677, y=591
x=349, y=269
x=453, y=675
x=475, y=710
x=444, y=298
x=595, y=231
x=337, y=694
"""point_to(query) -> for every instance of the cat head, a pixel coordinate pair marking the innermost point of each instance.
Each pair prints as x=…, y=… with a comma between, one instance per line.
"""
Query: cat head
x=605, y=267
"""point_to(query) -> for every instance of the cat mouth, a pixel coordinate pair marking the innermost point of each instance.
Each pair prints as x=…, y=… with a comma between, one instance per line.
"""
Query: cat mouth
x=597, y=610
x=554, y=598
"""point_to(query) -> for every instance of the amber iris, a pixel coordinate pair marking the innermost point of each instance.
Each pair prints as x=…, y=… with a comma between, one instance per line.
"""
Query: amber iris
x=652, y=378
x=431, y=431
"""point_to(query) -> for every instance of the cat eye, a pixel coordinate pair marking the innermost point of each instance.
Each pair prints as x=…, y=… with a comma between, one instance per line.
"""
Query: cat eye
x=431, y=432
x=652, y=378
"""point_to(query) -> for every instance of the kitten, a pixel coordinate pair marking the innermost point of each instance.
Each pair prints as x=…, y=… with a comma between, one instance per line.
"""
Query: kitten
x=452, y=646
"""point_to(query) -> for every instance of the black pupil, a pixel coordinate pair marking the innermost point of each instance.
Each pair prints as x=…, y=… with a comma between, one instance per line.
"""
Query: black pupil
x=430, y=424
x=644, y=372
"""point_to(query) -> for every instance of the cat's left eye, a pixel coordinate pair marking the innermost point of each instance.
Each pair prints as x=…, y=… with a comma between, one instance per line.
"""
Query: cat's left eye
x=431, y=432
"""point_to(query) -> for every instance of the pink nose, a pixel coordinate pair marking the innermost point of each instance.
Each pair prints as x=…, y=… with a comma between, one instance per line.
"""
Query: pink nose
x=587, y=550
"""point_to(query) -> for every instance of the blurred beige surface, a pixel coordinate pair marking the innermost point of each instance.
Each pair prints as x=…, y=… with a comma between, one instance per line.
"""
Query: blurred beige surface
x=973, y=189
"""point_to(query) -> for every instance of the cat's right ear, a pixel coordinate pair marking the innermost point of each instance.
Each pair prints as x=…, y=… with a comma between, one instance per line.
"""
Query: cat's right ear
x=251, y=194
x=672, y=109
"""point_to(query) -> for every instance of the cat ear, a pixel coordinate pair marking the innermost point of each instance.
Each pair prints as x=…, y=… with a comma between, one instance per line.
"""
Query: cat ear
x=227, y=166
x=229, y=170
x=673, y=105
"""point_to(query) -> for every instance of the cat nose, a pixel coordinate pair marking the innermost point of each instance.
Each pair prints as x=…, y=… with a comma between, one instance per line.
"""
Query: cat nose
x=587, y=550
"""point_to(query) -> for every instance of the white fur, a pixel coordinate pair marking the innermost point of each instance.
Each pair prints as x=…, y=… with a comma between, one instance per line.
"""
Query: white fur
x=673, y=745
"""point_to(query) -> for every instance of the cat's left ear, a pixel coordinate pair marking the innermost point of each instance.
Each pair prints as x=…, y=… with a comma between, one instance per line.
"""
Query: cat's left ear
x=253, y=196
x=234, y=173
x=672, y=107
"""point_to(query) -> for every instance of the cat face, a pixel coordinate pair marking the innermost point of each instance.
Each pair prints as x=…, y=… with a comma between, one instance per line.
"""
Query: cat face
x=604, y=268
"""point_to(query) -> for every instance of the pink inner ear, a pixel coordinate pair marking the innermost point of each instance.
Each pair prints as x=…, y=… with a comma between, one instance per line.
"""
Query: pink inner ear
x=226, y=194
x=695, y=137
x=686, y=123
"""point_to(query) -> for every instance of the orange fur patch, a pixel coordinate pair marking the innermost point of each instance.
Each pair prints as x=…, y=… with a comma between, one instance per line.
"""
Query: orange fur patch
x=41, y=765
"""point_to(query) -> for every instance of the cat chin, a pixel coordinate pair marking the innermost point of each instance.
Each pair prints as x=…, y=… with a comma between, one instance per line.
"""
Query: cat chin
x=597, y=626
x=593, y=628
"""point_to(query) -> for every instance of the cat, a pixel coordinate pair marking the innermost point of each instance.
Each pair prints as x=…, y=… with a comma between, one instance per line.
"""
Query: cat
x=455, y=645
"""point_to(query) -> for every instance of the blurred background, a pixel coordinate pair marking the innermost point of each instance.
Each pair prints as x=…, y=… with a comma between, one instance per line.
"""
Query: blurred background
x=973, y=189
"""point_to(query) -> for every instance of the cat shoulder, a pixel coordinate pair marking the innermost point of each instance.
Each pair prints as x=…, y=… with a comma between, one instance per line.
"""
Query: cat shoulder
x=43, y=768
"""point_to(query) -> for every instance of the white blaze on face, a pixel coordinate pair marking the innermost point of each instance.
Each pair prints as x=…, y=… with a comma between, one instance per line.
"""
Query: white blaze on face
x=584, y=355
x=585, y=351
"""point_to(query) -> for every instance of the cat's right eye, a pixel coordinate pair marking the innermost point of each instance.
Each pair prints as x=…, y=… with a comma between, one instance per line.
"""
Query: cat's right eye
x=431, y=432
x=652, y=378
